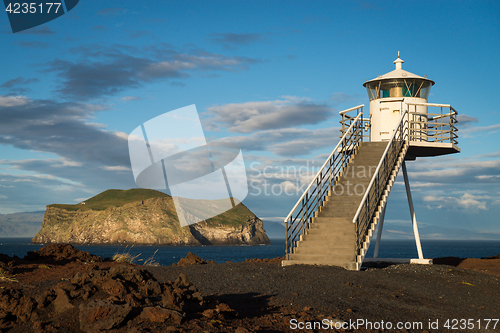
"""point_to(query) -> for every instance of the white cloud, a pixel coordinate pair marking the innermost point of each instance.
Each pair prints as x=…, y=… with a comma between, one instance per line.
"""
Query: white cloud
x=116, y=168
x=253, y=116
x=479, y=129
x=465, y=119
x=487, y=176
x=98, y=71
x=288, y=141
x=8, y=101
x=471, y=170
x=467, y=201
x=130, y=98
x=288, y=186
x=61, y=128
x=22, y=180
x=398, y=232
x=66, y=163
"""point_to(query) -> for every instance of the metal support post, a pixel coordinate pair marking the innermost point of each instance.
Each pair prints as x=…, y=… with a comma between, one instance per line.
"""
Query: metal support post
x=380, y=226
x=412, y=213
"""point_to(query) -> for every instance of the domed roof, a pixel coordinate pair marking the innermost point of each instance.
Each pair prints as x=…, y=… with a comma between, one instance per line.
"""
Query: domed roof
x=398, y=73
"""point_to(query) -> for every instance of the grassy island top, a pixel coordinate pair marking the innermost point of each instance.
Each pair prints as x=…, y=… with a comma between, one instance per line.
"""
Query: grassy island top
x=116, y=198
x=113, y=198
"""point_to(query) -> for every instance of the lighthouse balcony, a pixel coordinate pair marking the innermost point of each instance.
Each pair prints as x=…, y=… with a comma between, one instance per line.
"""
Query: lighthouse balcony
x=432, y=128
x=432, y=133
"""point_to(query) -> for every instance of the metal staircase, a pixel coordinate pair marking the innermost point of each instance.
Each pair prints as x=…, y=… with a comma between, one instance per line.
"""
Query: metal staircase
x=335, y=218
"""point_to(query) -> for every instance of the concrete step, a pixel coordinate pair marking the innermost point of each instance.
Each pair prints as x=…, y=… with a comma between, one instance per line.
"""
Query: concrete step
x=340, y=207
x=371, y=153
x=338, y=202
x=315, y=228
x=323, y=257
x=331, y=238
x=361, y=166
x=352, y=181
x=339, y=230
x=327, y=222
x=350, y=187
x=366, y=159
x=330, y=229
x=338, y=193
x=344, y=264
x=343, y=246
x=337, y=213
x=323, y=245
x=327, y=238
x=341, y=201
x=356, y=177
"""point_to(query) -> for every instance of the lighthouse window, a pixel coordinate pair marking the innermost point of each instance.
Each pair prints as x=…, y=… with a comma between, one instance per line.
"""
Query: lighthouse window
x=398, y=88
x=393, y=88
x=425, y=90
x=409, y=90
x=372, y=92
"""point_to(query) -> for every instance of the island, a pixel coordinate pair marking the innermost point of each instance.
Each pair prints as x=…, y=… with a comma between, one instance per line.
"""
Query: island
x=146, y=217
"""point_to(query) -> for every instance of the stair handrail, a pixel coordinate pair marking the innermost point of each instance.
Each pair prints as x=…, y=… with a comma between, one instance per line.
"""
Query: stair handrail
x=378, y=183
x=348, y=143
x=324, y=164
x=379, y=166
x=351, y=109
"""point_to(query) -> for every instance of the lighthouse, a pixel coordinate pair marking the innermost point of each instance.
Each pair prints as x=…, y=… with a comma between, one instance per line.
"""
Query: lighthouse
x=398, y=91
x=330, y=226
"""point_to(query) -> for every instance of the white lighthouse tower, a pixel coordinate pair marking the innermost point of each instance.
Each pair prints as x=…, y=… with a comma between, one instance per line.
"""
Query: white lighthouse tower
x=389, y=94
x=334, y=220
x=398, y=91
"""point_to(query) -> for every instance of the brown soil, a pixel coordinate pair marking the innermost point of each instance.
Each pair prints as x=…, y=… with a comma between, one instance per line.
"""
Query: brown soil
x=61, y=289
x=490, y=265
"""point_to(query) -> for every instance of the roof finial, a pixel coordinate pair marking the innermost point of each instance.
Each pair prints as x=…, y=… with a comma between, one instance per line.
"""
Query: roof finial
x=398, y=62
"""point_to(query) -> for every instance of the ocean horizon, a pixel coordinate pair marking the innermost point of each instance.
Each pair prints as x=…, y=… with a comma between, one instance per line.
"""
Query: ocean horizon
x=167, y=255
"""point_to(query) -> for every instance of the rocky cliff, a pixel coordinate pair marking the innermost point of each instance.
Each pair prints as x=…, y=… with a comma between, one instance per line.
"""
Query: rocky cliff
x=144, y=217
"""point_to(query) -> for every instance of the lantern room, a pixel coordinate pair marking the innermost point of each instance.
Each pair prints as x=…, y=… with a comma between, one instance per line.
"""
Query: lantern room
x=432, y=132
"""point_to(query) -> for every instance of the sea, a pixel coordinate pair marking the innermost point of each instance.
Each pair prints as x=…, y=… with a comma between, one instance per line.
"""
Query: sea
x=167, y=255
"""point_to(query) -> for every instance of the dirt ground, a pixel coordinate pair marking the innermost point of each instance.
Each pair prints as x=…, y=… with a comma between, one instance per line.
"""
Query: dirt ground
x=61, y=289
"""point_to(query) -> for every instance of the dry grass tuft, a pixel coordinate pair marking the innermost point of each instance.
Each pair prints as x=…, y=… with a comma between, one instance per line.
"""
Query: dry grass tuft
x=4, y=276
x=129, y=258
x=125, y=256
x=150, y=261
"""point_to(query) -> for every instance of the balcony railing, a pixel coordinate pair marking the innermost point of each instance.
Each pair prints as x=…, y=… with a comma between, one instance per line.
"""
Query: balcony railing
x=438, y=126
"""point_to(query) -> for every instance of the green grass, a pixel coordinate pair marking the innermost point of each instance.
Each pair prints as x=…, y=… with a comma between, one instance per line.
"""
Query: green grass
x=233, y=217
x=113, y=198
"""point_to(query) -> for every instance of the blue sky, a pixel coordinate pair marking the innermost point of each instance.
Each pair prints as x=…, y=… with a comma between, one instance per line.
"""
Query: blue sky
x=269, y=75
